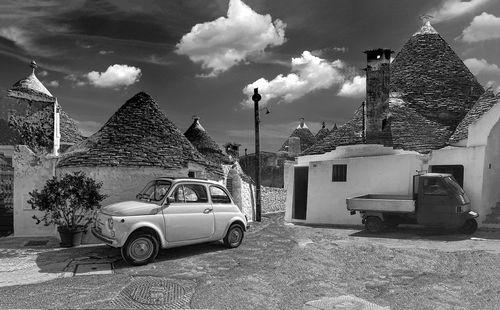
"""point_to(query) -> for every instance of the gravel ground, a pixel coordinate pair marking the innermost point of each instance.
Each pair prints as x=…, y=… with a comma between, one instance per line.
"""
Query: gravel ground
x=282, y=266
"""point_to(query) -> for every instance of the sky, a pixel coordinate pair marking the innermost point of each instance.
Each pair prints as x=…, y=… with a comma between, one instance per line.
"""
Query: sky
x=205, y=57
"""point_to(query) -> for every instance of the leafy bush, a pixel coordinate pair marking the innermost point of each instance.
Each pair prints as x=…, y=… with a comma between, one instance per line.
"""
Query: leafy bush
x=68, y=201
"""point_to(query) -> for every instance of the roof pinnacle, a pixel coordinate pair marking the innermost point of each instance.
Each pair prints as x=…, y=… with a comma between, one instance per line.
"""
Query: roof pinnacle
x=426, y=27
x=33, y=65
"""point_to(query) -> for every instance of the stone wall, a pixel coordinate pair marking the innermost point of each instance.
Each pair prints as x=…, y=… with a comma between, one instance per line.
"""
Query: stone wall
x=31, y=172
x=273, y=199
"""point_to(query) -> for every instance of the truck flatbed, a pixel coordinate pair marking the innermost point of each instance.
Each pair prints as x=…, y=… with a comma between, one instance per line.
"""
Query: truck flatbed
x=382, y=203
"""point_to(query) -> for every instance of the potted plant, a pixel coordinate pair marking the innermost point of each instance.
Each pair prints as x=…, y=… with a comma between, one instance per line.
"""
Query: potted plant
x=68, y=202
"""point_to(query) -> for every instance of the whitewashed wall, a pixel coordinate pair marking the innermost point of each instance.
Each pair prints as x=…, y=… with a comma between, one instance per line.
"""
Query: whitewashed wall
x=30, y=172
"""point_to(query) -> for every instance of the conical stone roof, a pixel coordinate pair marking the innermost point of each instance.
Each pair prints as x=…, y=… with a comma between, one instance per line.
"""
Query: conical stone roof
x=30, y=88
x=139, y=134
x=307, y=139
x=433, y=80
x=205, y=144
x=431, y=92
x=483, y=105
x=323, y=132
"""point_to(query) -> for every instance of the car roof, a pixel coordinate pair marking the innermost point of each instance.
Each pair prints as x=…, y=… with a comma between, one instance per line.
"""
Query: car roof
x=177, y=180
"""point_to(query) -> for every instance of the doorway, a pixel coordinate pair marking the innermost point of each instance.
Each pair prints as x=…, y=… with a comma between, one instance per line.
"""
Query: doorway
x=457, y=171
x=6, y=196
x=299, y=208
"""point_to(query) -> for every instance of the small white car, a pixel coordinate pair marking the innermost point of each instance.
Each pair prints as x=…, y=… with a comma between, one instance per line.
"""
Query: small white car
x=170, y=212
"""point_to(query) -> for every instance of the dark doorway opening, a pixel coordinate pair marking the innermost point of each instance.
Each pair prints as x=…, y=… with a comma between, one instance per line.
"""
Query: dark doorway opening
x=6, y=196
x=457, y=171
x=299, y=209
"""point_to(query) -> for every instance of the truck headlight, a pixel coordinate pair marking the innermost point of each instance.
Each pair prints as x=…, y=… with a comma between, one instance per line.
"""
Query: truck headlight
x=110, y=223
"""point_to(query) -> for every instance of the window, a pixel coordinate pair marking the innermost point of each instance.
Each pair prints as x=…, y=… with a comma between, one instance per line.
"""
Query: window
x=339, y=173
x=154, y=191
x=218, y=195
x=191, y=193
x=434, y=186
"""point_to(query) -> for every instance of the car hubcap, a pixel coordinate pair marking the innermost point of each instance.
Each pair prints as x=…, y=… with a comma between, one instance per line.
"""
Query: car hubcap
x=141, y=249
x=235, y=236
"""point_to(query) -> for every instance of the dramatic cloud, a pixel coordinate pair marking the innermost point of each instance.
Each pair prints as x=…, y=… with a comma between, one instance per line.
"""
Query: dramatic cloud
x=115, y=76
x=481, y=66
x=451, y=9
x=487, y=73
x=355, y=88
x=220, y=44
x=52, y=83
x=483, y=27
x=309, y=73
x=16, y=35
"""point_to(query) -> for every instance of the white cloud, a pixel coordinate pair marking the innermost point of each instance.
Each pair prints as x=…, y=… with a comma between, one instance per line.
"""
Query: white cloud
x=220, y=44
x=309, y=73
x=451, y=9
x=42, y=73
x=103, y=52
x=481, y=66
x=53, y=83
x=483, y=27
x=115, y=76
x=487, y=73
x=355, y=88
x=88, y=128
x=16, y=35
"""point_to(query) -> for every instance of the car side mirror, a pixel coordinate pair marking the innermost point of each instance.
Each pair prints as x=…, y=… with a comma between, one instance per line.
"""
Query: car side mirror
x=170, y=200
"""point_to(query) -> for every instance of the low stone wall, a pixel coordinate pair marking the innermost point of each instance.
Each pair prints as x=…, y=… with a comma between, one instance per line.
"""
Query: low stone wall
x=273, y=199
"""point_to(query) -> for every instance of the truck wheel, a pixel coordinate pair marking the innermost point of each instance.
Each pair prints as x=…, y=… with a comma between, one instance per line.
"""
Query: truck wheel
x=373, y=224
x=470, y=226
x=234, y=236
x=140, y=249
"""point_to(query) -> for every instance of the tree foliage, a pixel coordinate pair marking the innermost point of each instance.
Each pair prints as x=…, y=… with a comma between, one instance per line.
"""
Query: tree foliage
x=68, y=201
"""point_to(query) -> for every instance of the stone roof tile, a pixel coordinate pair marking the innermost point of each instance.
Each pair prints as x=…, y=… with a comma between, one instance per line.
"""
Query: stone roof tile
x=483, y=105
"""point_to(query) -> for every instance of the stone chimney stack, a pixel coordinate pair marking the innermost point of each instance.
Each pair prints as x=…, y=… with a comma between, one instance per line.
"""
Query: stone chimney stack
x=377, y=95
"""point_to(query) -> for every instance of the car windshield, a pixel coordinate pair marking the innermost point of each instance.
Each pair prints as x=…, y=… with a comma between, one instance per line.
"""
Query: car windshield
x=456, y=188
x=154, y=191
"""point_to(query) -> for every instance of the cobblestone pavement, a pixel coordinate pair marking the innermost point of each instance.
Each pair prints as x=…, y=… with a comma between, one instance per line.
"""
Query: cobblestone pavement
x=278, y=266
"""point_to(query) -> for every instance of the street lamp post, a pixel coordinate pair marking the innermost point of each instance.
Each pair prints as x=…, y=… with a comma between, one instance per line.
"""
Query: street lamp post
x=256, y=98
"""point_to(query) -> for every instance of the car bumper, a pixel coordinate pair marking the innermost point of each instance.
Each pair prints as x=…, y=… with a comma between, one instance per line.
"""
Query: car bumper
x=103, y=238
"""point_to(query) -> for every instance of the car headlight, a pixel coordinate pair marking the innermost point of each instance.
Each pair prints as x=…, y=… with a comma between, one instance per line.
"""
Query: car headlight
x=110, y=223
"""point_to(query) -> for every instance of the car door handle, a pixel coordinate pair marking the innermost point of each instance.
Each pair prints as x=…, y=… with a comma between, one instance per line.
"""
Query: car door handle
x=206, y=211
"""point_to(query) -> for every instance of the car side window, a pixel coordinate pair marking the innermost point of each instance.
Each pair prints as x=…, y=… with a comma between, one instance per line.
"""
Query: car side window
x=218, y=195
x=191, y=193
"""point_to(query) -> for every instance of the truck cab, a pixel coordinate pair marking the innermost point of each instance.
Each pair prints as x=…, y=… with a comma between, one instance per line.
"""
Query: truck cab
x=440, y=201
x=437, y=200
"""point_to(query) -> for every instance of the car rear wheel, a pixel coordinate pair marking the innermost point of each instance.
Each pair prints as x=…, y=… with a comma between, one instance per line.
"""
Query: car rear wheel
x=373, y=224
x=140, y=249
x=469, y=227
x=234, y=236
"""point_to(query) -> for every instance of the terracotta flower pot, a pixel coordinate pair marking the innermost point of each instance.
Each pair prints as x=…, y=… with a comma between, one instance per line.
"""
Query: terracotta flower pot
x=70, y=237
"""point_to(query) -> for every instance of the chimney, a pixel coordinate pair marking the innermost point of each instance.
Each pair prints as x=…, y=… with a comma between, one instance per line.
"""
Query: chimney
x=294, y=146
x=377, y=95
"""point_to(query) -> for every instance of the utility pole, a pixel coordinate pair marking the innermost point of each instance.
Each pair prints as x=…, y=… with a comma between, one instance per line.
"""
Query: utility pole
x=256, y=98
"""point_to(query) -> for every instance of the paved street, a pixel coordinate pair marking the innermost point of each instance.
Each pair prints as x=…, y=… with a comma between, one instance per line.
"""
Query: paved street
x=278, y=266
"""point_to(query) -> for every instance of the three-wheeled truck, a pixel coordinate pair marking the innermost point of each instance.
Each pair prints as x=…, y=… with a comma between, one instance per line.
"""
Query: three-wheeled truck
x=437, y=201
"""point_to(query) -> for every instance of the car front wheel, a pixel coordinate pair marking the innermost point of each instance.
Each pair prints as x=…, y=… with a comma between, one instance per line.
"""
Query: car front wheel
x=234, y=236
x=469, y=227
x=140, y=249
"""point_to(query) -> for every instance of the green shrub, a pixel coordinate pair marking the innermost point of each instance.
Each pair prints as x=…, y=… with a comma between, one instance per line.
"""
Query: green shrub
x=67, y=202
